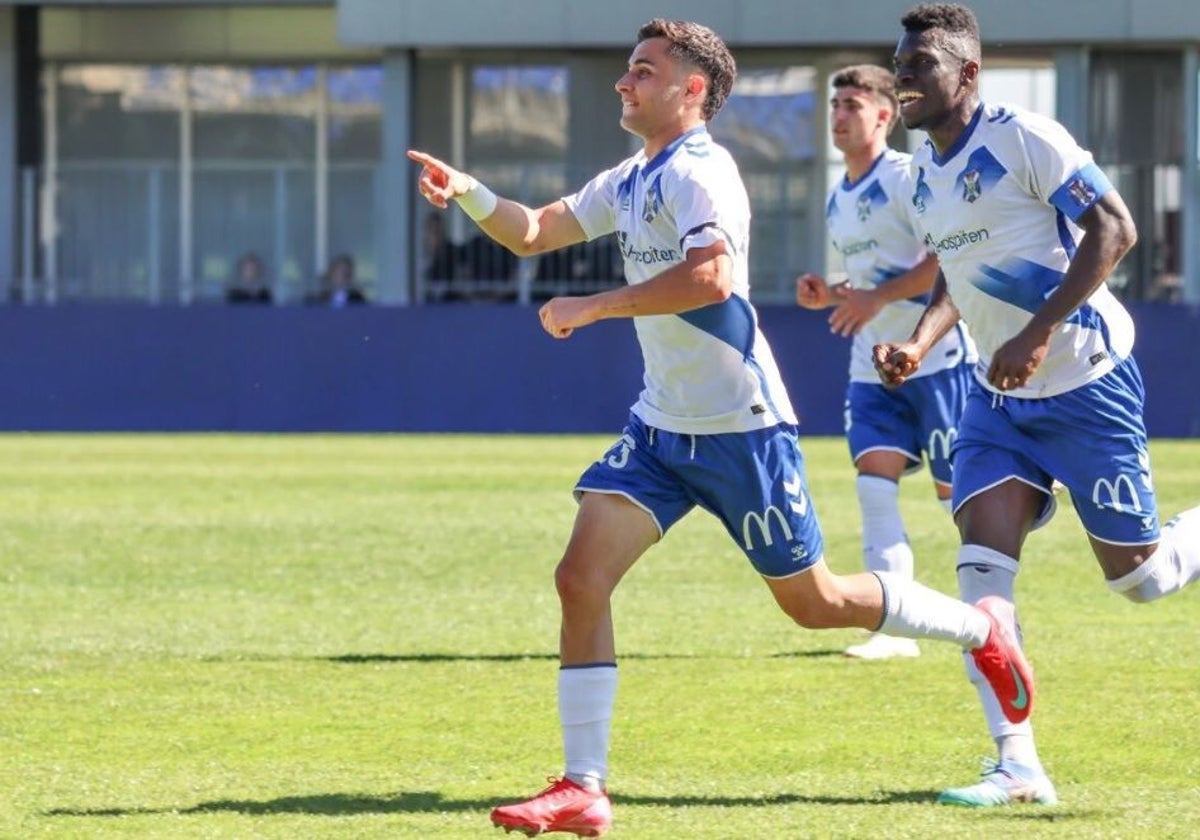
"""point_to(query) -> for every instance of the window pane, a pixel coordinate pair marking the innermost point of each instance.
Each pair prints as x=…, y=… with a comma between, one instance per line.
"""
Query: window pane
x=118, y=184
x=355, y=137
x=254, y=145
x=768, y=127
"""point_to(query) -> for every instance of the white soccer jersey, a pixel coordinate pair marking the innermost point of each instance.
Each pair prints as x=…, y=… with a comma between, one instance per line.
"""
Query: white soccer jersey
x=870, y=222
x=999, y=208
x=707, y=371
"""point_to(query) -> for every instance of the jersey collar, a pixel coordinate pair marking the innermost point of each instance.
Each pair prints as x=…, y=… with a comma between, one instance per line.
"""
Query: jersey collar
x=957, y=145
x=848, y=185
x=668, y=150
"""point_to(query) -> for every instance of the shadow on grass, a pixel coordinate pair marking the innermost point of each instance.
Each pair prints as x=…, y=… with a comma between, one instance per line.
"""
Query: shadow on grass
x=375, y=658
x=343, y=804
x=418, y=802
x=830, y=653
x=368, y=658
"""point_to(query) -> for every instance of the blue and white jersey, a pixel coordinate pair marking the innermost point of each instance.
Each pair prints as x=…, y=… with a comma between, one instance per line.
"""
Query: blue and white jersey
x=870, y=222
x=999, y=208
x=709, y=370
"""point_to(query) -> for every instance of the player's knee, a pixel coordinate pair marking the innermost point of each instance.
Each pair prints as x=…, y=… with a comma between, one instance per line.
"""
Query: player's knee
x=1170, y=568
x=576, y=583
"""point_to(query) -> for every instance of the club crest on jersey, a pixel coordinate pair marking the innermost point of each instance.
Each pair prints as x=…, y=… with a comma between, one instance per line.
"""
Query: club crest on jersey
x=972, y=189
x=1083, y=194
x=653, y=201
x=982, y=173
x=873, y=196
x=863, y=205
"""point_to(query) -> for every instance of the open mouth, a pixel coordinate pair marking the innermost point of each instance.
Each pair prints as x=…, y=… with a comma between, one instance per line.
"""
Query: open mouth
x=907, y=97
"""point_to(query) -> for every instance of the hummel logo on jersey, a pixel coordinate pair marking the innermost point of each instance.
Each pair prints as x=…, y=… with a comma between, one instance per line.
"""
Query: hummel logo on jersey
x=653, y=201
x=921, y=193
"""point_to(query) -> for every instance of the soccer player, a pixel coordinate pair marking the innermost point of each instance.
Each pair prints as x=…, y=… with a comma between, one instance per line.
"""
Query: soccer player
x=1027, y=228
x=869, y=217
x=713, y=426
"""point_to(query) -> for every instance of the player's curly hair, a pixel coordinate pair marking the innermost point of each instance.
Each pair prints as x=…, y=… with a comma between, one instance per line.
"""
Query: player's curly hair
x=954, y=23
x=875, y=80
x=699, y=46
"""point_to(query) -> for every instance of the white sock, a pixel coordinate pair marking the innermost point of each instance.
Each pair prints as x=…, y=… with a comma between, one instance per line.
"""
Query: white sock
x=885, y=545
x=947, y=505
x=983, y=572
x=585, y=708
x=918, y=612
x=1172, y=566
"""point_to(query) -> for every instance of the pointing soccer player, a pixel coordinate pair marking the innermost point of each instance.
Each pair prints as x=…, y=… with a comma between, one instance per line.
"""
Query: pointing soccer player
x=1027, y=228
x=869, y=217
x=713, y=426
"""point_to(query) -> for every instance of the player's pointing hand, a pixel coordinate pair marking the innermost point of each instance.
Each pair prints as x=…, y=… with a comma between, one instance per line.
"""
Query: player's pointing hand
x=439, y=183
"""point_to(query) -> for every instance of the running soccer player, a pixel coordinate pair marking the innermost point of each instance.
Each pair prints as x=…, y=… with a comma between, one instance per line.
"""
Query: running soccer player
x=713, y=426
x=869, y=217
x=1026, y=228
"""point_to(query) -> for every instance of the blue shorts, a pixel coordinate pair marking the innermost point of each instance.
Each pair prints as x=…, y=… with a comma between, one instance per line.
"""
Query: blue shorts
x=753, y=482
x=918, y=418
x=1092, y=439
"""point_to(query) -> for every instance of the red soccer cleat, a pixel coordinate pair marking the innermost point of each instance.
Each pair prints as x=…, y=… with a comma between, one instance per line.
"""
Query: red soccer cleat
x=563, y=806
x=1003, y=663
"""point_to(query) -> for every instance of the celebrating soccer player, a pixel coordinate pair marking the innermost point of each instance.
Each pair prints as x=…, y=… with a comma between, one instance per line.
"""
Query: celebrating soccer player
x=869, y=217
x=713, y=426
x=1026, y=229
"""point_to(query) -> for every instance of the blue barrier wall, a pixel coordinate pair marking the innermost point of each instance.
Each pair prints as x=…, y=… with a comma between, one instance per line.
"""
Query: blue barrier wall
x=452, y=368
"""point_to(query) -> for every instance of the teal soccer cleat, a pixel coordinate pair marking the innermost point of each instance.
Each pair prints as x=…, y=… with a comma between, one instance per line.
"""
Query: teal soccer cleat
x=1003, y=783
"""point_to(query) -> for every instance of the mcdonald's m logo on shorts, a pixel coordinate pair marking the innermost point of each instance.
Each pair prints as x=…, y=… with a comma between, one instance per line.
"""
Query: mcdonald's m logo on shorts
x=763, y=524
x=940, y=442
x=1114, y=490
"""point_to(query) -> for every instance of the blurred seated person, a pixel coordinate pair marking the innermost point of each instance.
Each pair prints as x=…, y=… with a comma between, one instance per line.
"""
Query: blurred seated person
x=249, y=284
x=486, y=270
x=337, y=286
x=579, y=269
x=439, y=256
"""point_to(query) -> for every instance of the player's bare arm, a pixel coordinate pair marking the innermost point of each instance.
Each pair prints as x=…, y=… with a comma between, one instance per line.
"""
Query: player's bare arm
x=859, y=306
x=1109, y=233
x=896, y=362
x=703, y=278
x=523, y=230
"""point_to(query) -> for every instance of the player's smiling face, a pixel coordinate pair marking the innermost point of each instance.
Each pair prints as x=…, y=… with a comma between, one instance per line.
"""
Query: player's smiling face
x=929, y=80
x=652, y=90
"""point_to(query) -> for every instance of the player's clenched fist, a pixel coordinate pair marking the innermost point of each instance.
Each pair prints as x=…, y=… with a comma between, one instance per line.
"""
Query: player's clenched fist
x=895, y=362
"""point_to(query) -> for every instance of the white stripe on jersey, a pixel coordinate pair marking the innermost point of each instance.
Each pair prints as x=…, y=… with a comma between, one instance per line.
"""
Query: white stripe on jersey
x=999, y=208
x=870, y=222
x=710, y=370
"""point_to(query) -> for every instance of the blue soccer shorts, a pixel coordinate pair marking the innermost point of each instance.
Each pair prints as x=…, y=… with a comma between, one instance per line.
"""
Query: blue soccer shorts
x=1092, y=439
x=918, y=418
x=753, y=482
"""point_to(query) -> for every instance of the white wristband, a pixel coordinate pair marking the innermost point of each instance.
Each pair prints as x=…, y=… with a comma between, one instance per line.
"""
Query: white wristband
x=478, y=202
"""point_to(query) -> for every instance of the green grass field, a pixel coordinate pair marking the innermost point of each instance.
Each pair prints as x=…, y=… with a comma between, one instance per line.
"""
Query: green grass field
x=321, y=636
